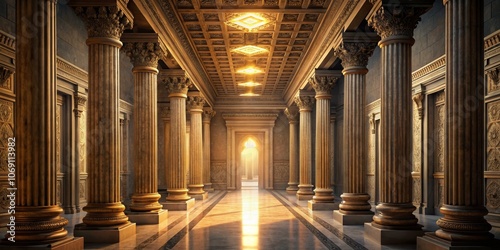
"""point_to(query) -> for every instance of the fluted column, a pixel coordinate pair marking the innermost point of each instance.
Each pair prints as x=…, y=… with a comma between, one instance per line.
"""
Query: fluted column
x=144, y=51
x=105, y=25
x=195, y=105
x=165, y=117
x=395, y=22
x=292, y=113
x=354, y=52
x=208, y=113
x=32, y=159
x=305, y=103
x=178, y=198
x=463, y=209
x=323, y=193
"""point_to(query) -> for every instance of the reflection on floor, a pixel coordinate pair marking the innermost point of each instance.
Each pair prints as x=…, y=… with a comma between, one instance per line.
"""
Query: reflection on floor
x=249, y=184
x=248, y=219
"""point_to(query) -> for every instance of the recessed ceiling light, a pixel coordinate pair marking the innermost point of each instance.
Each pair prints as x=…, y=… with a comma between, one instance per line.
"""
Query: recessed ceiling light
x=249, y=84
x=249, y=94
x=249, y=22
x=250, y=50
x=249, y=70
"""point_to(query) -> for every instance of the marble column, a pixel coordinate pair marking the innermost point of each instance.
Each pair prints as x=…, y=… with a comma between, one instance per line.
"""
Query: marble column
x=32, y=152
x=164, y=113
x=305, y=102
x=177, y=192
x=144, y=51
x=208, y=113
x=292, y=113
x=463, y=208
x=323, y=193
x=354, y=52
x=195, y=105
x=394, y=221
x=105, y=220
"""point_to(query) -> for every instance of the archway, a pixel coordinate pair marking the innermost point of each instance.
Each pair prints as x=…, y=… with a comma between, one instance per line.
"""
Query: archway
x=250, y=162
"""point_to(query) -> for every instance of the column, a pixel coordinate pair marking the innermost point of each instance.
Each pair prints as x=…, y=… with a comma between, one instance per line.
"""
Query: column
x=79, y=101
x=32, y=152
x=208, y=113
x=323, y=193
x=292, y=113
x=463, y=223
x=305, y=102
x=394, y=221
x=177, y=193
x=144, y=51
x=354, y=52
x=105, y=220
x=195, y=105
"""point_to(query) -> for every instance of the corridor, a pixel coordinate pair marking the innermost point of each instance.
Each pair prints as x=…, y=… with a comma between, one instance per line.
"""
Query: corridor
x=248, y=219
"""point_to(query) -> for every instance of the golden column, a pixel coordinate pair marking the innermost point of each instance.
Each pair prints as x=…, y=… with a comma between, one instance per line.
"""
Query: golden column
x=394, y=221
x=195, y=105
x=105, y=213
x=32, y=152
x=208, y=113
x=292, y=113
x=463, y=208
x=144, y=51
x=354, y=52
x=305, y=101
x=323, y=193
x=178, y=199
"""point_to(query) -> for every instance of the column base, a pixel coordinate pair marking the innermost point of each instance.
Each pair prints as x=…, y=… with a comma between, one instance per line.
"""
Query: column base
x=147, y=218
x=178, y=205
x=351, y=219
x=112, y=234
x=391, y=236
x=291, y=192
x=71, y=243
x=322, y=206
x=431, y=242
x=199, y=197
x=304, y=197
x=209, y=190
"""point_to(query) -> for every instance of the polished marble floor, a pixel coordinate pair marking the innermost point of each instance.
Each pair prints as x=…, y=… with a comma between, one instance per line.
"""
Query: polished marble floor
x=249, y=219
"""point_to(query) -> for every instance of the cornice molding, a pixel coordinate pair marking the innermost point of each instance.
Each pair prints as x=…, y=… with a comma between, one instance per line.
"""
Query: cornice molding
x=7, y=40
x=429, y=68
x=71, y=73
x=492, y=40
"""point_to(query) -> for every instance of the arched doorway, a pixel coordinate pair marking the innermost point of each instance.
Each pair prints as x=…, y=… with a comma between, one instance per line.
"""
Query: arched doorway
x=250, y=162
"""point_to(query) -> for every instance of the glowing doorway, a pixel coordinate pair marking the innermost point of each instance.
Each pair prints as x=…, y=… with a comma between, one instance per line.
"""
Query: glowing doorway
x=249, y=165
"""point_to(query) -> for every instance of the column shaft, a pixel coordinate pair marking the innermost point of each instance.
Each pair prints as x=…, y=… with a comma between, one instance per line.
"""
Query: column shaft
x=463, y=207
x=292, y=113
x=37, y=215
x=305, y=104
x=195, y=104
x=208, y=113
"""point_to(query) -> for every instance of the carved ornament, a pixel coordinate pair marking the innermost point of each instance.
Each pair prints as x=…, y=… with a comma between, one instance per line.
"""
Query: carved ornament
x=195, y=102
x=177, y=84
x=418, y=98
x=292, y=113
x=305, y=102
x=355, y=53
x=208, y=114
x=323, y=84
x=143, y=53
x=104, y=21
x=494, y=75
x=396, y=19
x=5, y=74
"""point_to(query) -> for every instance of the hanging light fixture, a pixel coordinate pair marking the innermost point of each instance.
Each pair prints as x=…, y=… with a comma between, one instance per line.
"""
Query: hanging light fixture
x=250, y=22
x=250, y=68
x=250, y=50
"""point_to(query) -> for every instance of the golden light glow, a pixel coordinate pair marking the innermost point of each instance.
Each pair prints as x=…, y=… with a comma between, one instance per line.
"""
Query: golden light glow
x=250, y=50
x=249, y=84
x=249, y=70
x=249, y=94
x=250, y=22
x=250, y=143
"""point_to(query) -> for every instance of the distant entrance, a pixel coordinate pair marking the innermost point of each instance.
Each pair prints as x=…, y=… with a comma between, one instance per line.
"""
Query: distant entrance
x=249, y=162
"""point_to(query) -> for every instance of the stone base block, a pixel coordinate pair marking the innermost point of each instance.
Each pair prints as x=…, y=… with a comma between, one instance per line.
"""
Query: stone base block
x=431, y=242
x=178, y=205
x=71, y=243
x=391, y=237
x=148, y=218
x=322, y=206
x=199, y=197
x=113, y=234
x=304, y=197
x=351, y=219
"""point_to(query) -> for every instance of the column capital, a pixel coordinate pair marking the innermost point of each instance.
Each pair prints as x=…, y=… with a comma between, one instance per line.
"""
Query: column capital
x=398, y=18
x=105, y=18
x=292, y=113
x=304, y=102
x=355, y=50
x=195, y=101
x=144, y=50
x=207, y=114
x=323, y=82
x=177, y=85
x=5, y=74
x=164, y=112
